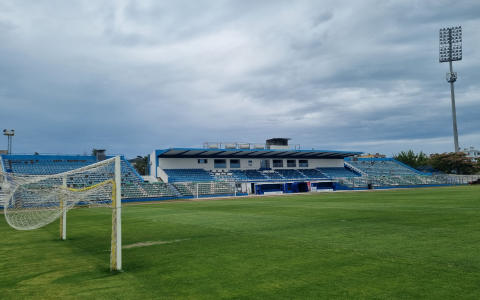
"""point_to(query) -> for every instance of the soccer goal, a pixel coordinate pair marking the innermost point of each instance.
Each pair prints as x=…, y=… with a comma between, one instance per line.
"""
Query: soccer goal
x=214, y=188
x=33, y=201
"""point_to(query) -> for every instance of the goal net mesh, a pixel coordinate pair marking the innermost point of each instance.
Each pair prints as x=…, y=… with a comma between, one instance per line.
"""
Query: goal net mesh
x=33, y=201
x=200, y=189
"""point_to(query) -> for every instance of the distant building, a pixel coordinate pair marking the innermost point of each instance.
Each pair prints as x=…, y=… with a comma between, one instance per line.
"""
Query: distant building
x=472, y=153
x=376, y=155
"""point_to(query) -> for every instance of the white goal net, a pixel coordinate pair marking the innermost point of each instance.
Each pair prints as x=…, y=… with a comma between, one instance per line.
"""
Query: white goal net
x=33, y=201
x=214, y=188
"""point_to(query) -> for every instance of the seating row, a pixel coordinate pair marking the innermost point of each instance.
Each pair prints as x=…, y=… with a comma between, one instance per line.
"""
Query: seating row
x=145, y=190
x=185, y=175
x=50, y=167
x=188, y=175
x=383, y=168
x=338, y=172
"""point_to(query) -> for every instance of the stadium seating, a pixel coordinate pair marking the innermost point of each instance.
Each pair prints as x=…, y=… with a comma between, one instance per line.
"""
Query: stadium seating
x=272, y=175
x=198, y=175
x=46, y=167
x=223, y=176
x=291, y=174
x=186, y=175
x=383, y=168
x=131, y=190
x=49, y=165
x=249, y=175
x=146, y=190
x=313, y=174
x=392, y=181
x=338, y=172
x=239, y=175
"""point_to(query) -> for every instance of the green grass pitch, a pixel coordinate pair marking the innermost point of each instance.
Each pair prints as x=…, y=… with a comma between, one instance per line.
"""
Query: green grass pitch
x=397, y=244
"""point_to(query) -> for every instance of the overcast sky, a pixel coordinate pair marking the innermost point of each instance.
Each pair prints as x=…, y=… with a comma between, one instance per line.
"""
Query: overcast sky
x=135, y=76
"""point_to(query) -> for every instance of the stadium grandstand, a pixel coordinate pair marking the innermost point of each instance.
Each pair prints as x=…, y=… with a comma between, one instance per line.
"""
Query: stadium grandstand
x=260, y=168
x=383, y=167
x=277, y=167
x=224, y=169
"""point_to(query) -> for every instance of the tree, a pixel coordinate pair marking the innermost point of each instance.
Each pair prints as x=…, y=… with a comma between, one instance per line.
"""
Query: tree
x=411, y=159
x=454, y=162
x=94, y=152
x=36, y=153
x=141, y=165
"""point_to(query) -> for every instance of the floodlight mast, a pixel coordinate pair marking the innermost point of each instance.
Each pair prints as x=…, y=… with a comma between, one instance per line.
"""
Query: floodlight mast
x=9, y=133
x=450, y=49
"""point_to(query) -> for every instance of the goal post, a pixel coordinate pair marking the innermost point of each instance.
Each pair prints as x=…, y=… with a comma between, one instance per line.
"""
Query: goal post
x=63, y=217
x=116, y=245
x=33, y=201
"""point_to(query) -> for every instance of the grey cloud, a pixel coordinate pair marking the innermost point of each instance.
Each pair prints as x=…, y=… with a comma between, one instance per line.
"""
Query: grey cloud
x=135, y=77
x=323, y=17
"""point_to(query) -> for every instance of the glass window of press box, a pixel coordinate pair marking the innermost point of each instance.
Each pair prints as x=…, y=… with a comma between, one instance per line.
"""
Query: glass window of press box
x=220, y=163
x=278, y=163
x=264, y=163
x=291, y=163
x=234, y=163
x=202, y=161
x=303, y=163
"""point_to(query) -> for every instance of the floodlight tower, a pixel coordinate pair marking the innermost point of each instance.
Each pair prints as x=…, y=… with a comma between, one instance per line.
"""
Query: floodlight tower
x=9, y=133
x=450, y=50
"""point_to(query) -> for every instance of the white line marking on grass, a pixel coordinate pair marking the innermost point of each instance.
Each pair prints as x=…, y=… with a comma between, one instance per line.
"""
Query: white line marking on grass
x=145, y=244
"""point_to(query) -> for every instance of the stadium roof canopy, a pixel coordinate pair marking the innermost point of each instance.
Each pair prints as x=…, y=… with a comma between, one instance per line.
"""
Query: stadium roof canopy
x=252, y=153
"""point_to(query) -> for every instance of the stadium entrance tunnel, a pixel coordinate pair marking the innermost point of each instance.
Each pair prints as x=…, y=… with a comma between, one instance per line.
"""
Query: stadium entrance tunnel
x=299, y=187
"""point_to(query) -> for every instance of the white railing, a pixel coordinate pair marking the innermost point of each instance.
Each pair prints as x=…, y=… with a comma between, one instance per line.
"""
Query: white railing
x=356, y=169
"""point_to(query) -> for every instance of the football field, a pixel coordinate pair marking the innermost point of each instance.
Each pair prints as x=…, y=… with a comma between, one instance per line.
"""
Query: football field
x=397, y=244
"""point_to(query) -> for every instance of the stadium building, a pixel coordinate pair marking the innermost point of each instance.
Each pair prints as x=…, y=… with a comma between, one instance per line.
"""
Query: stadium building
x=270, y=167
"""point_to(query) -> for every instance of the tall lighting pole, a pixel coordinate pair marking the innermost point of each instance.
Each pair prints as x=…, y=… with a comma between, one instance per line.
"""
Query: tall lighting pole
x=9, y=133
x=450, y=50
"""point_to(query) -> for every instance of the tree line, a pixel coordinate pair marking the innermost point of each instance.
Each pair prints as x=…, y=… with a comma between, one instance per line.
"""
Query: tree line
x=453, y=162
x=140, y=164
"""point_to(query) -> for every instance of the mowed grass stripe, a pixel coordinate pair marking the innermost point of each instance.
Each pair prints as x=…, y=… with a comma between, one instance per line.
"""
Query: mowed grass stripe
x=402, y=244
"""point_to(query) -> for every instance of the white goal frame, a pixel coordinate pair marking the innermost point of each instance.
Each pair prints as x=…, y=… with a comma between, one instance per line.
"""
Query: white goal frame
x=116, y=205
x=213, y=183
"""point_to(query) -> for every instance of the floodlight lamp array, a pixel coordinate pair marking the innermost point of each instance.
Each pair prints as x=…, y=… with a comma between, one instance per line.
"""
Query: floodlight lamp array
x=450, y=44
x=9, y=132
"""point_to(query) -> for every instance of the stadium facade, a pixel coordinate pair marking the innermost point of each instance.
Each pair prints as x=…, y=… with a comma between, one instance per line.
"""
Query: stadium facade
x=272, y=167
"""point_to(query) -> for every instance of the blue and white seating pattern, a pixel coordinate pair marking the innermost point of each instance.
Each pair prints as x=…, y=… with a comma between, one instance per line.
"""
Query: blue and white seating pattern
x=147, y=190
x=313, y=174
x=338, y=172
x=252, y=175
x=383, y=168
x=291, y=174
x=43, y=165
x=186, y=175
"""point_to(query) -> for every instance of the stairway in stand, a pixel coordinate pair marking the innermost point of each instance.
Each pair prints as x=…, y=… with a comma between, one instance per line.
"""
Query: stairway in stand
x=174, y=189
